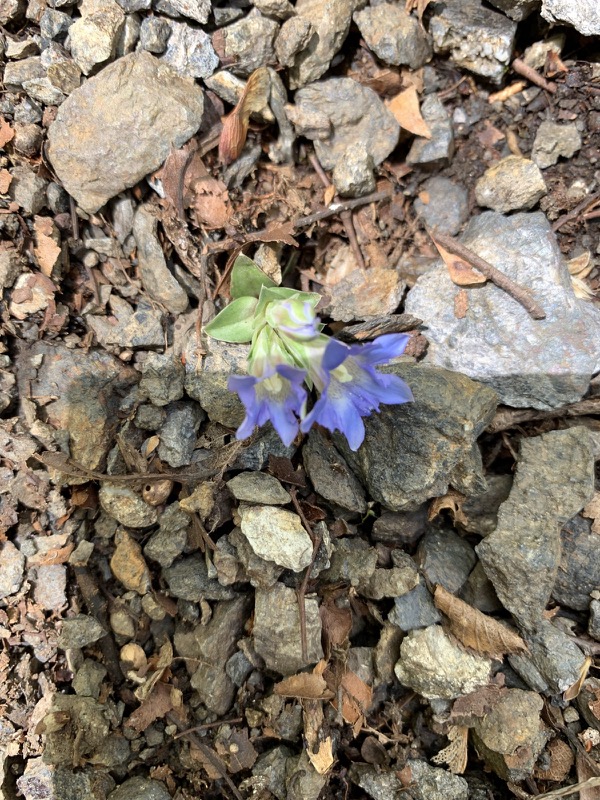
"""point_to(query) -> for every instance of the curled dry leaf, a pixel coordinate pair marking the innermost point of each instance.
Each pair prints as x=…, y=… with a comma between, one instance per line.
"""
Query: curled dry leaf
x=592, y=511
x=406, y=110
x=356, y=699
x=235, y=125
x=475, y=629
x=572, y=692
x=453, y=502
x=461, y=272
x=305, y=686
x=559, y=762
x=455, y=754
x=163, y=699
x=319, y=746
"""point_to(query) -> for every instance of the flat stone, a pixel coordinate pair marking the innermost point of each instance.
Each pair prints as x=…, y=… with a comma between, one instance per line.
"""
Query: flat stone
x=79, y=631
x=435, y=783
x=50, y=586
x=582, y=15
x=250, y=42
x=87, y=387
x=237, y=561
x=330, y=22
x=162, y=378
x=339, y=113
x=94, y=35
x=512, y=184
x=136, y=110
x=446, y=559
x=393, y=35
x=353, y=561
x=16, y=73
x=432, y=665
x=258, y=487
x=277, y=535
x=178, y=433
x=554, y=657
x=554, y=480
x=140, y=789
x=330, y=474
x=169, y=542
x=394, y=582
x=198, y=10
x=530, y=363
x=477, y=38
x=190, y=52
x=415, y=451
x=27, y=189
x=579, y=569
x=554, y=141
x=277, y=630
x=139, y=330
x=127, y=507
x=439, y=149
x=208, y=366
x=188, y=580
x=363, y=293
x=414, y=610
x=88, y=680
x=156, y=277
x=442, y=204
x=12, y=565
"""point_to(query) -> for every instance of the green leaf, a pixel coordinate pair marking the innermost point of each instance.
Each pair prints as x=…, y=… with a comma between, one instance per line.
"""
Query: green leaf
x=235, y=323
x=247, y=279
x=269, y=294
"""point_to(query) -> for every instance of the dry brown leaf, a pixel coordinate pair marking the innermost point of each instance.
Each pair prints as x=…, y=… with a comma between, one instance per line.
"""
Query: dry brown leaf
x=419, y=5
x=277, y=233
x=586, y=776
x=461, y=304
x=581, y=265
x=592, y=511
x=235, y=125
x=158, y=703
x=489, y=136
x=356, y=699
x=467, y=709
x=452, y=501
x=476, y=630
x=554, y=64
x=460, y=271
x=560, y=760
x=329, y=194
x=6, y=132
x=305, y=685
x=46, y=249
x=406, y=110
x=581, y=289
x=173, y=173
x=337, y=624
x=5, y=179
x=455, y=754
x=236, y=750
x=319, y=747
x=572, y=692
x=508, y=91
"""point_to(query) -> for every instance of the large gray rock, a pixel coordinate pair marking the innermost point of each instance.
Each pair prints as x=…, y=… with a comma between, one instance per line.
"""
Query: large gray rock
x=477, y=38
x=437, y=150
x=554, y=480
x=130, y=116
x=553, y=659
x=393, y=35
x=579, y=569
x=198, y=10
x=340, y=113
x=278, y=535
x=250, y=42
x=539, y=363
x=583, y=15
x=95, y=34
x=330, y=21
x=414, y=451
x=553, y=141
x=435, y=783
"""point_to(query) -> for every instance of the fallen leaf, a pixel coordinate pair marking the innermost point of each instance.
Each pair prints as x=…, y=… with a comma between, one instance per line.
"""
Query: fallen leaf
x=455, y=754
x=418, y=5
x=236, y=750
x=451, y=501
x=276, y=233
x=405, y=108
x=156, y=705
x=471, y=707
x=305, y=685
x=559, y=761
x=356, y=699
x=46, y=248
x=572, y=692
x=554, y=64
x=235, y=125
x=508, y=91
x=172, y=175
x=319, y=747
x=336, y=624
x=489, y=136
x=476, y=630
x=592, y=511
x=33, y=292
x=5, y=179
x=461, y=304
x=6, y=132
x=581, y=265
x=581, y=289
x=329, y=194
x=460, y=271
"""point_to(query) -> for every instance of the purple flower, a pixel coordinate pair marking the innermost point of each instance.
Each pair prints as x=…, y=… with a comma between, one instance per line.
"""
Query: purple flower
x=351, y=388
x=277, y=396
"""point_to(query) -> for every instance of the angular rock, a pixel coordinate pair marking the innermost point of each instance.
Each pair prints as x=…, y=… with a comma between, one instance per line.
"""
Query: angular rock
x=554, y=480
x=442, y=204
x=582, y=15
x=128, y=564
x=154, y=34
x=140, y=789
x=378, y=783
x=338, y=114
x=579, y=569
x=414, y=610
x=353, y=176
x=552, y=657
x=170, y=540
x=394, y=582
x=80, y=631
x=516, y=9
x=208, y=366
x=548, y=362
x=434, y=783
x=258, y=487
x=54, y=783
x=293, y=37
x=477, y=38
x=87, y=388
x=432, y=665
x=511, y=736
x=162, y=378
x=139, y=330
x=88, y=680
x=330, y=21
x=439, y=149
x=134, y=111
x=277, y=535
x=330, y=474
x=27, y=189
x=190, y=52
x=250, y=42
x=50, y=586
x=352, y=561
x=12, y=565
x=554, y=141
x=156, y=277
x=188, y=580
x=83, y=734
x=481, y=512
x=127, y=507
x=512, y=184
x=395, y=36
x=594, y=623
x=178, y=433
x=363, y=293
x=94, y=35
x=446, y=559
x=247, y=566
x=277, y=630
x=198, y=10
x=414, y=451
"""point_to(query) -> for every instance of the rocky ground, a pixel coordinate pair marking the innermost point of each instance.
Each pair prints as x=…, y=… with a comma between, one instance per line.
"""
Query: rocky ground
x=183, y=615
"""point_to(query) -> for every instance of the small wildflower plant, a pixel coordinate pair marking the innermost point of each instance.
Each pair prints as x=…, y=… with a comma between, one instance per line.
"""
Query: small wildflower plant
x=290, y=356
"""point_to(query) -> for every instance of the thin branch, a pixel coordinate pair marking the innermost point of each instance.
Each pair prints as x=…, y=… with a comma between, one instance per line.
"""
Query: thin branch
x=521, y=68
x=509, y=417
x=585, y=205
x=316, y=540
x=517, y=292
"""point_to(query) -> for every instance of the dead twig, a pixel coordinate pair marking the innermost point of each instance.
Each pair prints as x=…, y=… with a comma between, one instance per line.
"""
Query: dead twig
x=570, y=790
x=521, y=68
x=316, y=540
x=585, y=205
x=509, y=417
x=517, y=292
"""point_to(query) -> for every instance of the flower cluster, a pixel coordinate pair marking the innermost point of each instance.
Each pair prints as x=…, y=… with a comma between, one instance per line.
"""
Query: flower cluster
x=289, y=354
